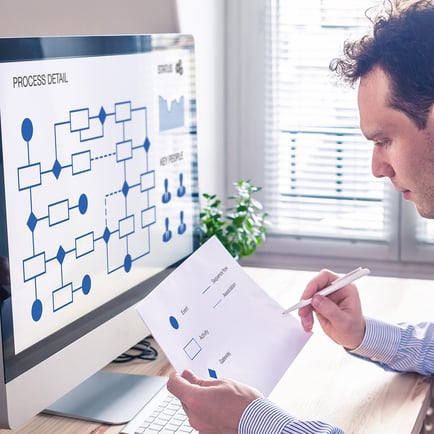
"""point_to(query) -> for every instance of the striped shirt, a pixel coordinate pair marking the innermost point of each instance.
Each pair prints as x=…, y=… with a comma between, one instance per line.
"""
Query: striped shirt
x=401, y=348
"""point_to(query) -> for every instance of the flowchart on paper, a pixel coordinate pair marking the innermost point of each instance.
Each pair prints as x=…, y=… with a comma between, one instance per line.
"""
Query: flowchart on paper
x=211, y=317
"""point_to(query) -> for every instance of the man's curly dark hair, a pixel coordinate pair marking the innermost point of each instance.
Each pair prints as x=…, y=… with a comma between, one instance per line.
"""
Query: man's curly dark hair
x=402, y=45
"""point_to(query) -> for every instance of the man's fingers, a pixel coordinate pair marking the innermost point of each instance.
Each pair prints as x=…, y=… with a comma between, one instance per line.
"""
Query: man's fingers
x=178, y=385
x=328, y=309
x=320, y=281
x=190, y=377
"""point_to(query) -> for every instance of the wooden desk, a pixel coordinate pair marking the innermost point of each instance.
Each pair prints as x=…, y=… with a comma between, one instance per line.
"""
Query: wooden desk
x=323, y=382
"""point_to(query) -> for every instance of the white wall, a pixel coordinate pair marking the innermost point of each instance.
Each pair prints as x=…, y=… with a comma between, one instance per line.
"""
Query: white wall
x=86, y=17
x=205, y=19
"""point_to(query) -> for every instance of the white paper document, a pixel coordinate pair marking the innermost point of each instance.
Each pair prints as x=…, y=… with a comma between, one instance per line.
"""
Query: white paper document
x=209, y=316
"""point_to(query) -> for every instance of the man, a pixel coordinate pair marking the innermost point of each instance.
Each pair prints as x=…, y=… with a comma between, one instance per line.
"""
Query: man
x=395, y=71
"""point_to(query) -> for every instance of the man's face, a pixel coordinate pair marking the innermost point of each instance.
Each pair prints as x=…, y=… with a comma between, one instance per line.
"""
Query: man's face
x=401, y=152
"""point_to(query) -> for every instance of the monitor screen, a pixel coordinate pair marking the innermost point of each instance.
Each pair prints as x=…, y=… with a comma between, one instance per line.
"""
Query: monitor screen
x=98, y=198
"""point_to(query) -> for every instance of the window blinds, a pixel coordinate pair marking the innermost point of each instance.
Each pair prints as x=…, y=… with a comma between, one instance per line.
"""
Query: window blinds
x=424, y=231
x=318, y=180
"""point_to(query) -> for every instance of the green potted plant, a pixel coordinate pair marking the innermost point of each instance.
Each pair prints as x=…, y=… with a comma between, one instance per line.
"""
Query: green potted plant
x=242, y=228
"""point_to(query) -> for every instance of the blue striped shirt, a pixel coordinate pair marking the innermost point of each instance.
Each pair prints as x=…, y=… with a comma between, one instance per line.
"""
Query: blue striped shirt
x=401, y=348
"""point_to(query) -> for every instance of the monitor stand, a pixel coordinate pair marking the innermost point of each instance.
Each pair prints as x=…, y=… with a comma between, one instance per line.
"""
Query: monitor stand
x=108, y=397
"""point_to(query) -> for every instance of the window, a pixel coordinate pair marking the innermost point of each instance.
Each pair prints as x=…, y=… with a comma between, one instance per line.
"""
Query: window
x=317, y=167
x=294, y=130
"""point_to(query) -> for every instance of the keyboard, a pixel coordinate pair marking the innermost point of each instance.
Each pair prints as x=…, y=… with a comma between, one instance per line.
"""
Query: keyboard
x=163, y=414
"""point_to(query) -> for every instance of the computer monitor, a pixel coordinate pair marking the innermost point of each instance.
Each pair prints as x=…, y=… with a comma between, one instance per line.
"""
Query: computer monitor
x=98, y=201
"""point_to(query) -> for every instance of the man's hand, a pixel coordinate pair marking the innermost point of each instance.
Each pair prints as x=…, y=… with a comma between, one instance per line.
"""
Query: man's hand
x=340, y=314
x=212, y=406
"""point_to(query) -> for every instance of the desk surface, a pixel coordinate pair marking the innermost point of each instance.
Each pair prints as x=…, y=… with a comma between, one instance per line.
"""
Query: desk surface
x=323, y=382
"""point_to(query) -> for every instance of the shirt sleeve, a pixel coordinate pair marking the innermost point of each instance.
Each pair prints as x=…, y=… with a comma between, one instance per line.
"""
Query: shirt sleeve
x=263, y=416
x=399, y=347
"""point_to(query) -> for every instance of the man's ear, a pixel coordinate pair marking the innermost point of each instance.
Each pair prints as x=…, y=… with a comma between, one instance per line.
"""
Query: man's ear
x=431, y=111
x=430, y=120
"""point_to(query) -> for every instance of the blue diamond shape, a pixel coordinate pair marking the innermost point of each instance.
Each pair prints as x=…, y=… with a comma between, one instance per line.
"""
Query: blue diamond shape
x=212, y=373
x=102, y=115
x=60, y=255
x=31, y=222
x=57, y=168
x=106, y=235
x=147, y=144
x=125, y=188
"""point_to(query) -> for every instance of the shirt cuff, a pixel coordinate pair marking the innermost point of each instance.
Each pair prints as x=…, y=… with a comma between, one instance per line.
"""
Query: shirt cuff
x=380, y=343
x=261, y=415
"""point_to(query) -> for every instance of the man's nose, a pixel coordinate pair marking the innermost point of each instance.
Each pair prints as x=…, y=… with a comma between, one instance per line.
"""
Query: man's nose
x=380, y=166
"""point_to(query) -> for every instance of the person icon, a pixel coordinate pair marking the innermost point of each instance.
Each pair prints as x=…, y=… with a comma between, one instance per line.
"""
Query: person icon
x=167, y=235
x=182, y=226
x=181, y=189
x=166, y=195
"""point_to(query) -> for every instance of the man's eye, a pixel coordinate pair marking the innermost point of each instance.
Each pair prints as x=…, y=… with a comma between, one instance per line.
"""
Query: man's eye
x=381, y=142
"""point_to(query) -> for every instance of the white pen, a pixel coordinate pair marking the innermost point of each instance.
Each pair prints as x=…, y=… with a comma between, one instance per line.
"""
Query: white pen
x=337, y=284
